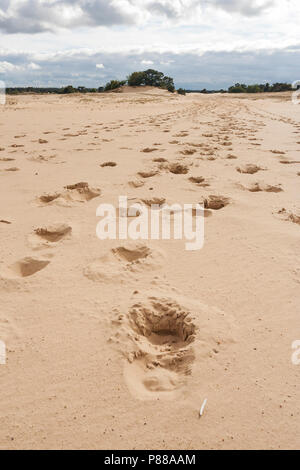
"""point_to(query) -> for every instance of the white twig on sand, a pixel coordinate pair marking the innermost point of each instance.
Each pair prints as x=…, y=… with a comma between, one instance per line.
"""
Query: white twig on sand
x=202, y=407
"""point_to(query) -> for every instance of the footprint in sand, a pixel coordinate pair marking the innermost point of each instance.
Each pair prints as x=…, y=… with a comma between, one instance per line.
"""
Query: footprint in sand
x=47, y=198
x=42, y=158
x=136, y=183
x=289, y=216
x=262, y=187
x=249, y=169
x=110, y=164
x=49, y=235
x=12, y=169
x=120, y=262
x=160, y=337
x=188, y=152
x=149, y=150
x=54, y=233
x=132, y=253
x=161, y=332
x=181, y=134
x=157, y=201
x=199, y=180
x=178, y=169
x=216, y=202
x=294, y=218
x=24, y=268
x=79, y=192
x=148, y=174
x=231, y=157
x=289, y=162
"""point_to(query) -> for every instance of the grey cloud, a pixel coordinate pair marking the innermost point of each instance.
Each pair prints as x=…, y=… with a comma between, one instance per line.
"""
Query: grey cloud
x=244, y=7
x=160, y=8
x=35, y=16
x=175, y=9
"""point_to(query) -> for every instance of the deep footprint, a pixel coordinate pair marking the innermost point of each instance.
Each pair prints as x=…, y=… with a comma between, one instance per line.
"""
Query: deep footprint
x=163, y=332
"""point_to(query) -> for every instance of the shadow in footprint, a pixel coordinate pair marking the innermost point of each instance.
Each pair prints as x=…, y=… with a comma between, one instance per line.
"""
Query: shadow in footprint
x=26, y=267
x=216, y=202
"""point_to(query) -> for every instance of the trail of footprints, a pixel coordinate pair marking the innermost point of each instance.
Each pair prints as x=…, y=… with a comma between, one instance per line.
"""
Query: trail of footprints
x=50, y=235
x=158, y=335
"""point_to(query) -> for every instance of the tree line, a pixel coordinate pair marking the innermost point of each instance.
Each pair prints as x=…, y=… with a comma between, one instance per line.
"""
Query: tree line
x=260, y=88
x=58, y=91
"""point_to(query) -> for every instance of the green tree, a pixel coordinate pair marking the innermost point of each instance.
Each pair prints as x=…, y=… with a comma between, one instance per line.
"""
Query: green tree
x=114, y=84
x=237, y=88
x=151, y=77
x=69, y=89
x=254, y=89
x=136, y=79
x=168, y=84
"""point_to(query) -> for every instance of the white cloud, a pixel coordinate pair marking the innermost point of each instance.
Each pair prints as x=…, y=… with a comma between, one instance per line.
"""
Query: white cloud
x=33, y=66
x=166, y=63
x=8, y=67
x=147, y=62
x=99, y=66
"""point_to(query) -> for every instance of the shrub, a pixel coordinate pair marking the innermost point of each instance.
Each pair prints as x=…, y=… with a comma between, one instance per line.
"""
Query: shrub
x=136, y=79
x=69, y=89
x=114, y=84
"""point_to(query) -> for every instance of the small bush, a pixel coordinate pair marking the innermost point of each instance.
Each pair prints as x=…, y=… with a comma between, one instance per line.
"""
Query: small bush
x=68, y=89
x=114, y=84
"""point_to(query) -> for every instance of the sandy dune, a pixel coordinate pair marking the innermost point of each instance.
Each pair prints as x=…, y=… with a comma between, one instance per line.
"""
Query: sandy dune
x=116, y=344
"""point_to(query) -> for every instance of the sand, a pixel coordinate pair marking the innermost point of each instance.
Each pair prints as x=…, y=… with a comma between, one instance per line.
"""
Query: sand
x=115, y=344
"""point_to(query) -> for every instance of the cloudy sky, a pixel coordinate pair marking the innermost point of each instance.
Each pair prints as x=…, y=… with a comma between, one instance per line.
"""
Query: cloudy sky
x=200, y=43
